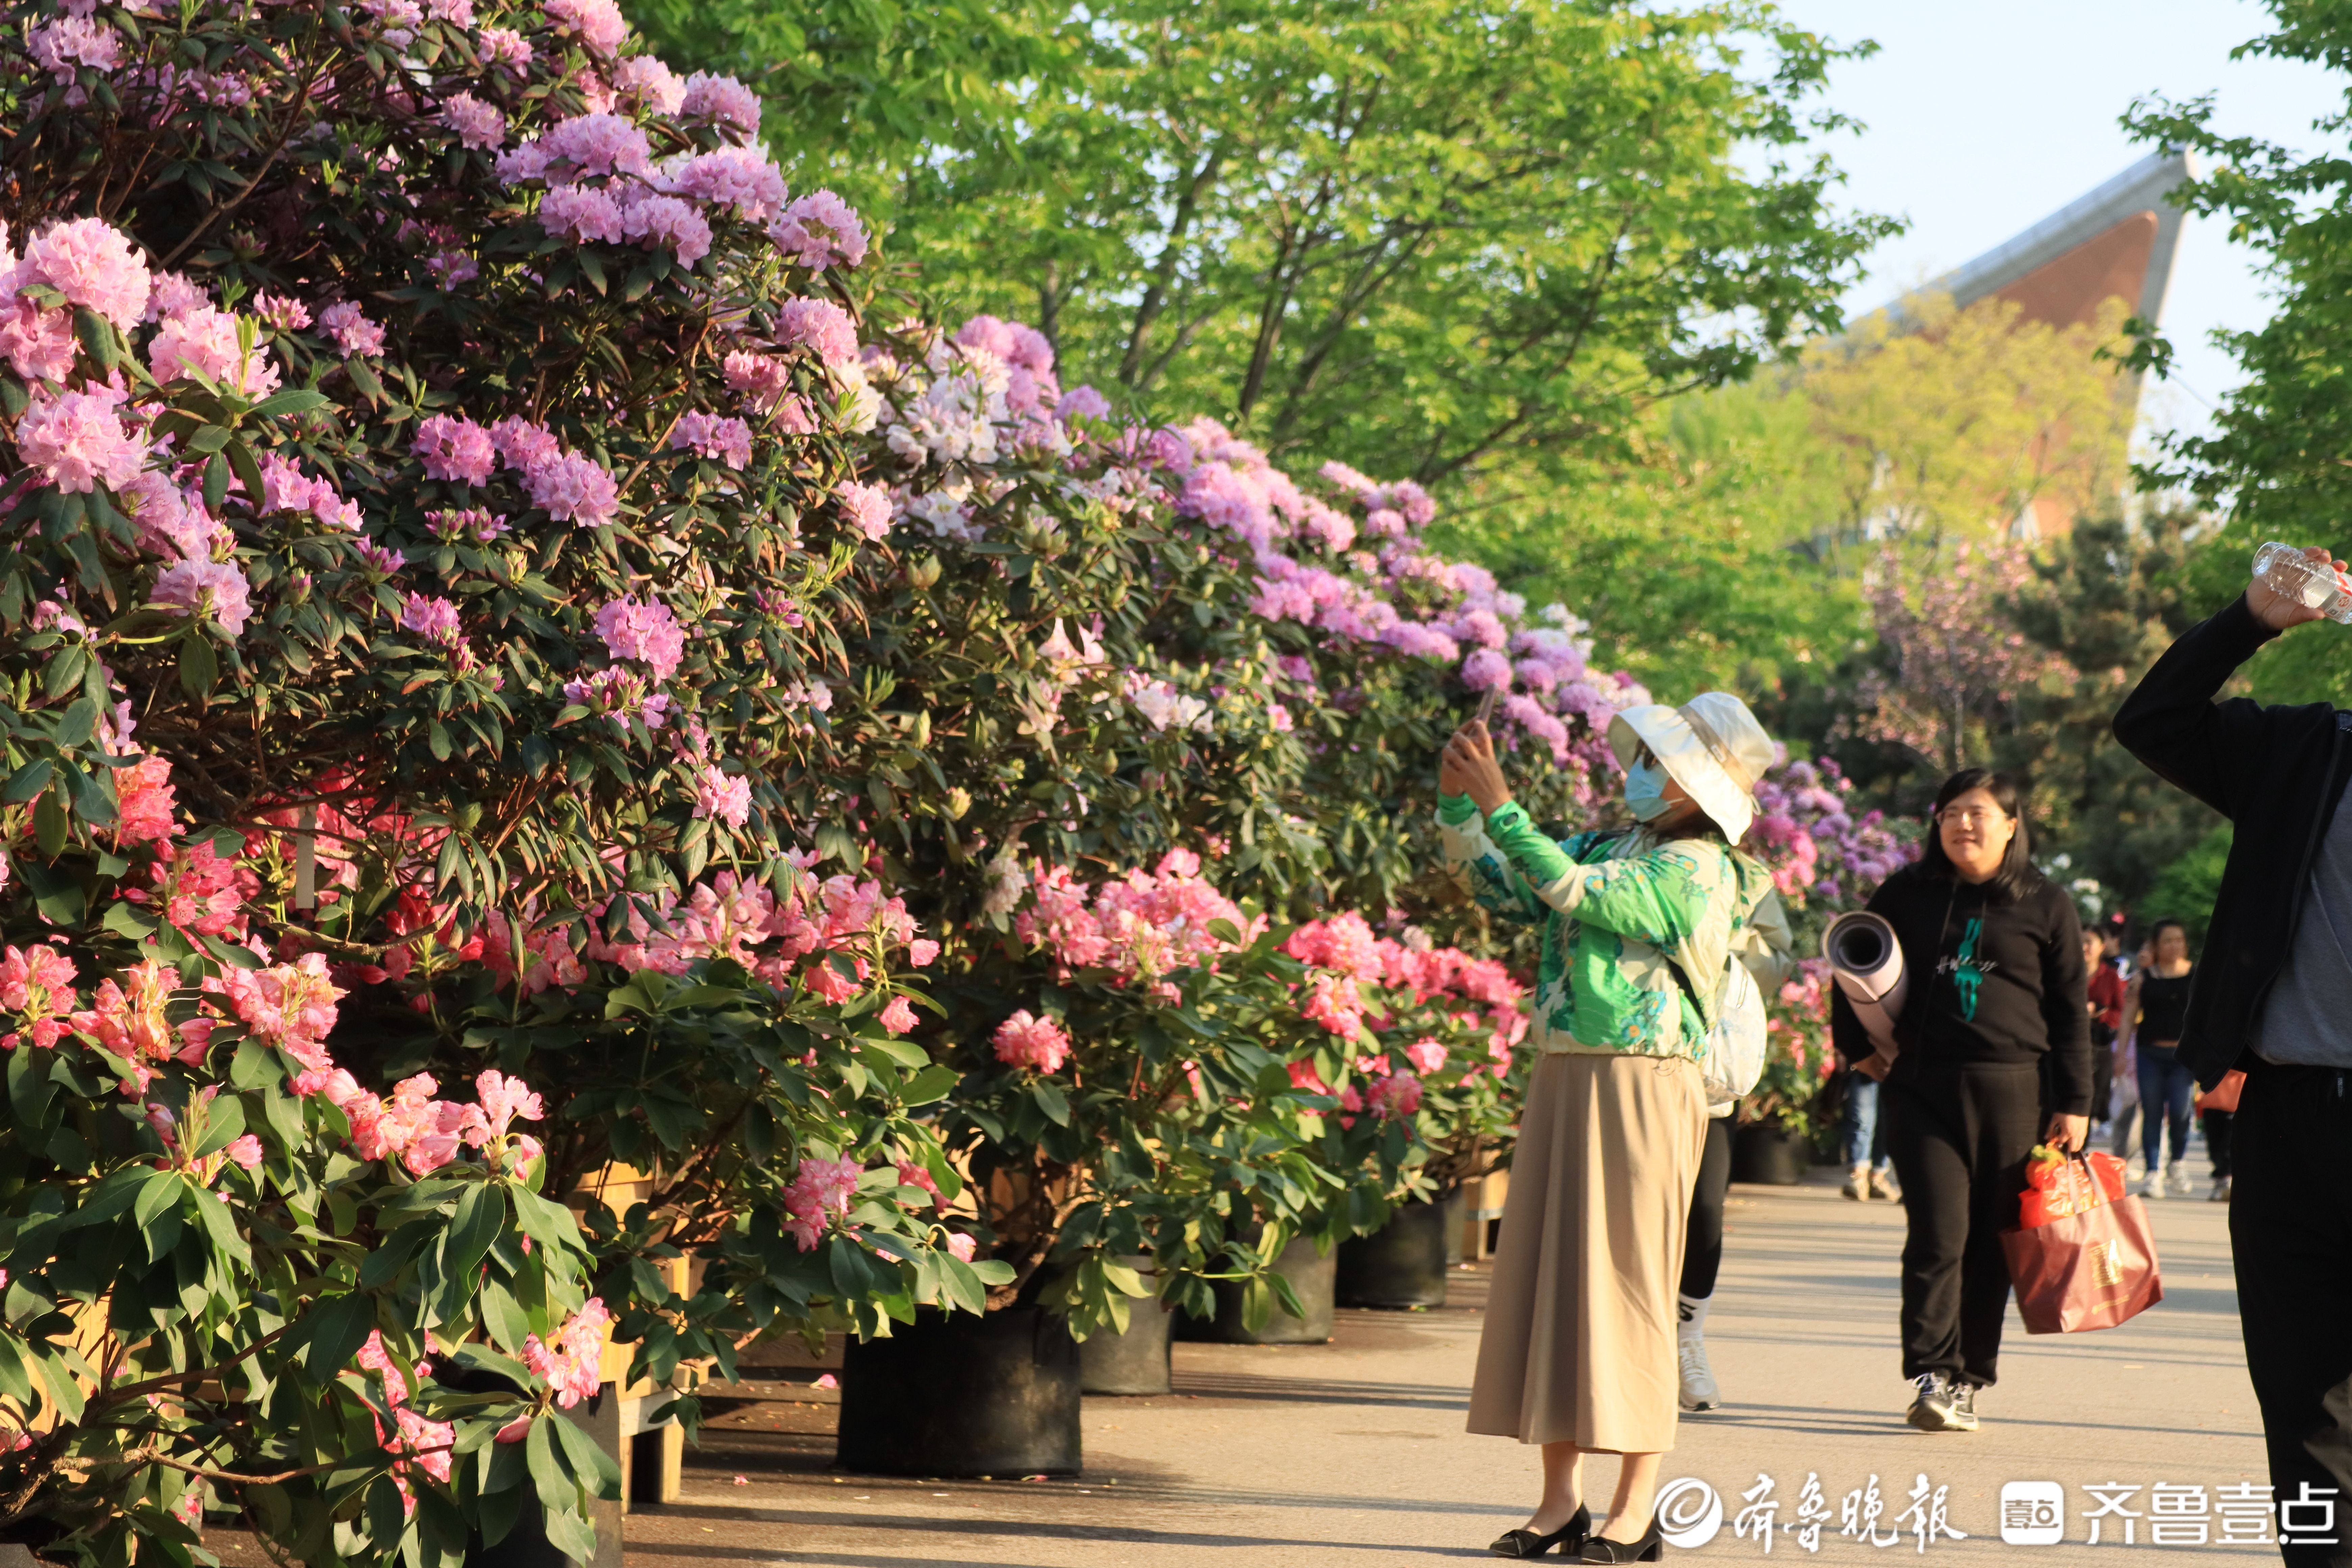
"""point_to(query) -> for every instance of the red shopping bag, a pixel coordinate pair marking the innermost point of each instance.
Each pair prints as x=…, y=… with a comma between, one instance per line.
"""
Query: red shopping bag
x=2091, y=1269
x=2056, y=1186
x=2223, y=1095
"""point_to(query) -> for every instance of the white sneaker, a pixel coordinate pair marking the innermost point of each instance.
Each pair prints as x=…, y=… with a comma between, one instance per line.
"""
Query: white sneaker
x=1882, y=1185
x=1857, y=1184
x=2176, y=1176
x=2221, y=1193
x=2152, y=1184
x=1933, y=1404
x=1700, y=1391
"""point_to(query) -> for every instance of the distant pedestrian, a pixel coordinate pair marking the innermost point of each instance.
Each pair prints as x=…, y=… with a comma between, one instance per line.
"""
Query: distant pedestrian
x=1994, y=950
x=2154, y=1006
x=1869, y=1168
x=2105, y=990
x=1578, y=1351
x=2274, y=999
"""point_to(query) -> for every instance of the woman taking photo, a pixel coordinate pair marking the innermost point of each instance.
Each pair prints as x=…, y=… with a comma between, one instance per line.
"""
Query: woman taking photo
x=1994, y=954
x=1578, y=1352
x=2153, y=1010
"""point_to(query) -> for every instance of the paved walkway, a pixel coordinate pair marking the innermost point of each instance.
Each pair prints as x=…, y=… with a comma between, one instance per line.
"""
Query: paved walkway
x=1353, y=1453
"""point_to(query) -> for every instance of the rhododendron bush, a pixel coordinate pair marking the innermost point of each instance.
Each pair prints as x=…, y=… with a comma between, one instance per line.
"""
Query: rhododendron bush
x=430, y=489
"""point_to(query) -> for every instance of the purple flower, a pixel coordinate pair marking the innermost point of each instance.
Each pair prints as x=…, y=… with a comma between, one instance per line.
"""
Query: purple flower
x=75, y=440
x=644, y=630
x=1083, y=403
x=505, y=47
x=455, y=449
x=1486, y=669
x=720, y=101
x=432, y=619
x=820, y=326
x=582, y=212
x=63, y=47
x=377, y=558
x=471, y=522
x=353, y=333
x=286, y=315
x=1169, y=448
x=451, y=268
x=584, y=147
x=646, y=80
x=709, y=436
x=204, y=587
x=657, y=221
x=821, y=230
x=91, y=263
x=524, y=442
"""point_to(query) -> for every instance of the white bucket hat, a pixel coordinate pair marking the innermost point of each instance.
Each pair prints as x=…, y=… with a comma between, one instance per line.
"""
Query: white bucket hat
x=1711, y=745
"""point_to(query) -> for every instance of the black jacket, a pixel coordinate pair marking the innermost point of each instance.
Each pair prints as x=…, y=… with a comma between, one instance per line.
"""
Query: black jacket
x=1992, y=978
x=2276, y=774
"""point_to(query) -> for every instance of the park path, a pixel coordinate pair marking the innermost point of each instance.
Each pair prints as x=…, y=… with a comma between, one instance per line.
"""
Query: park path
x=1353, y=1453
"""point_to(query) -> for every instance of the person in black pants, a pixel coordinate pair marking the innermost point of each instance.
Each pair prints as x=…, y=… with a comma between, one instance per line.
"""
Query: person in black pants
x=2153, y=1010
x=1994, y=954
x=1702, y=1261
x=2275, y=998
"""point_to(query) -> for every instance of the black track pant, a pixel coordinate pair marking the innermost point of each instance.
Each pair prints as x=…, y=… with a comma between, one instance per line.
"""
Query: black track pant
x=1960, y=1136
x=2291, y=1228
x=1703, y=1238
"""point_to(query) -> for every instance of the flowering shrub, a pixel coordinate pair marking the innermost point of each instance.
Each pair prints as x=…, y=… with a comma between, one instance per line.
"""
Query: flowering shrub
x=422, y=593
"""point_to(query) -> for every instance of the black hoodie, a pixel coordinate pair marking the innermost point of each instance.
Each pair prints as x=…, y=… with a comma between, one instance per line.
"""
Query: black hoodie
x=1992, y=978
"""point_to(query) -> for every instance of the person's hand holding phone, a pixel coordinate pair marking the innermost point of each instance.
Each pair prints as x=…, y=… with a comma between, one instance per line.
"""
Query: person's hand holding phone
x=1469, y=761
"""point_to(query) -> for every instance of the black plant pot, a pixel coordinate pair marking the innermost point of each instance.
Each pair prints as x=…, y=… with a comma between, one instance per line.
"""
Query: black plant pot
x=959, y=1394
x=1768, y=1155
x=1403, y=1264
x=1457, y=1221
x=1311, y=1275
x=1135, y=1361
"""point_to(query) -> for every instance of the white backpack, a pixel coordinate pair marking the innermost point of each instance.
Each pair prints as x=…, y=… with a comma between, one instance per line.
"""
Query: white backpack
x=1731, y=1058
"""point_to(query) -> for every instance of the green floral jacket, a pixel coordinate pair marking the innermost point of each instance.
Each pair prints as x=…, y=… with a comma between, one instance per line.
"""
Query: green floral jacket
x=1613, y=907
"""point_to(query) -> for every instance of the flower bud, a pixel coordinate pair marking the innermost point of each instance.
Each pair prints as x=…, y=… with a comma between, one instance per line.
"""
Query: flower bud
x=923, y=570
x=959, y=802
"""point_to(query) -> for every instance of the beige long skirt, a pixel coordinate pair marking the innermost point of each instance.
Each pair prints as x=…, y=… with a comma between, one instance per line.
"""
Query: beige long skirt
x=1579, y=1344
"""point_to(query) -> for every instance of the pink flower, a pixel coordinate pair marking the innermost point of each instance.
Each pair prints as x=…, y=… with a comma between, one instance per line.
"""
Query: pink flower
x=643, y=80
x=819, y=325
x=39, y=345
x=866, y=506
x=77, y=441
x=600, y=24
x=575, y=489
x=911, y=1174
x=523, y=444
x=1427, y=1056
x=644, y=629
x=286, y=315
x=144, y=801
x=827, y=1381
x=960, y=1247
x=505, y=47
x=828, y=984
x=432, y=619
x=720, y=101
x=762, y=379
x=38, y=984
x=207, y=587
x=586, y=146
x=455, y=449
x=91, y=263
x=583, y=213
x=289, y=1005
x=245, y=1152
x=570, y=1364
x=1486, y=669
x=898, y=1018
x=354, y=334
x=922, y=951
x=1395, y=1096
x=723, y=795
x=1083, y=403
x=1028, y=1041
x=740, y=177
x=69, y=42
x=474, y=123
x=820, y=230
x=654, y=222
x=709, y=436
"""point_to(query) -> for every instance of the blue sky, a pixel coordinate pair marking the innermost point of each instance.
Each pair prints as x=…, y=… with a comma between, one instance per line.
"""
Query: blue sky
x=1985, y=119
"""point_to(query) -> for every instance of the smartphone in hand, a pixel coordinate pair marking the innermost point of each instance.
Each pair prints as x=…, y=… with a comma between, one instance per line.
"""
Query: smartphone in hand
x=1486, y=703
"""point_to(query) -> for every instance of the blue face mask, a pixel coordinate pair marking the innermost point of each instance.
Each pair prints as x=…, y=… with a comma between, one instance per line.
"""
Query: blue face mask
x=1645, y=789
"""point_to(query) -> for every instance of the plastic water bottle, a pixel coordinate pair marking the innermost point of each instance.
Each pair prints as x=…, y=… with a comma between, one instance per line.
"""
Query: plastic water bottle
x=2284, y=569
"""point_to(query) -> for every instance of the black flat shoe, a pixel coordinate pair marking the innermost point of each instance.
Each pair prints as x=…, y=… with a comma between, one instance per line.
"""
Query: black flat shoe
x=1568, y=1538
x=1650, y=1548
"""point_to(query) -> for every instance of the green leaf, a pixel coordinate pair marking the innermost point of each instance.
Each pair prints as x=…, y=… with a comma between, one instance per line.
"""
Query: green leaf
x=50, y=825
x=933, y=1084
x=334, y=1331
x=28, y=781
x=481, y=1214
x=1052, y=1101
x=294, y=400
x=240, y=460
x=199, y=666
x=97, y=335
x=80, y=724
x=588, y=1461
x=215, y=482
x=363, y=376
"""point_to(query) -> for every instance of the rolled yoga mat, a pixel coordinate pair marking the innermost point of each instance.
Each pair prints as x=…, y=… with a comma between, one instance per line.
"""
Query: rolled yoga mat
x=1867, y=964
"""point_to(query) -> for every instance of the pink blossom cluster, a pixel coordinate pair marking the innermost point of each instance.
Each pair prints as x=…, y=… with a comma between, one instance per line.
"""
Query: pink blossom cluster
x=1026, y=1040
x=425, y=1133
x=1141, y=927
x=572, y=1364
x=820, y=230
x=455, y=449
x=620, y=695
x=836, y=919
x=720, y=101
x=427, y=1445
x=820, y=1188
x=286, y=488
x=37, y=985
x=642, y=629
x=727, y=440
x=355, y=335
x=1346, y=947
x=821, y=327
